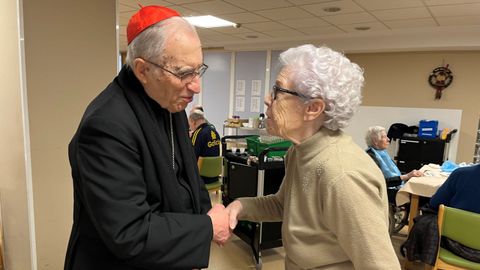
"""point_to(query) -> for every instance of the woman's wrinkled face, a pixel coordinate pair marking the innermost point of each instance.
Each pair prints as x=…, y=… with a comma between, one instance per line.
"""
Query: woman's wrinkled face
x=383, y=142
x=284, y=110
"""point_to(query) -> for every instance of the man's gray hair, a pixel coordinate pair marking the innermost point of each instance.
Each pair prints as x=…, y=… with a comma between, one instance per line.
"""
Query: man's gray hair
x=373, y=135
x=320, y=72
x=196, y=115
x=150, y=43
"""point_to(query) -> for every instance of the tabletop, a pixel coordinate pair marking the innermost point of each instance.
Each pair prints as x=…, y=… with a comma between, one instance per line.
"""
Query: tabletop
x=424, y=186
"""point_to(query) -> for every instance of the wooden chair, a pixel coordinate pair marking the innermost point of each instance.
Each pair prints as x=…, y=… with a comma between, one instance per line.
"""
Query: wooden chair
x=211, y=167
x=463, y=227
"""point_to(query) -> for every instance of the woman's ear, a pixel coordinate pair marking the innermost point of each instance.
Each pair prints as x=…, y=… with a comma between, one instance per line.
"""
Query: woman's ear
x=314, y=109
x=140, y=69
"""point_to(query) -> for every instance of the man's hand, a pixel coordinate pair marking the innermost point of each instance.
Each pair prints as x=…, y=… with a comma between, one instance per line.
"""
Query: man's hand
x=234, y=209
x=220, y=222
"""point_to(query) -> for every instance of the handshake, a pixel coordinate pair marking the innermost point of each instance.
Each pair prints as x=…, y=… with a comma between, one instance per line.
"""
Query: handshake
x=224, y=220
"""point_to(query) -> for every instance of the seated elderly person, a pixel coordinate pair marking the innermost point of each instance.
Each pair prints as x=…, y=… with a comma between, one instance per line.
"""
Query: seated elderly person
x=333, y=200
x=205, y=138
x=460, y=190
x=378, y=142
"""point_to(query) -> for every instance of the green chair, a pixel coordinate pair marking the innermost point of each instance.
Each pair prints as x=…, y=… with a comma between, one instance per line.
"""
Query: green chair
x=463, y=227
x=211, y=167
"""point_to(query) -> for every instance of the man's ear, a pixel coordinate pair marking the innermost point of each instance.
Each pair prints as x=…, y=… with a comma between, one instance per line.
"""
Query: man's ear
x=140, y=69
x=314, y=109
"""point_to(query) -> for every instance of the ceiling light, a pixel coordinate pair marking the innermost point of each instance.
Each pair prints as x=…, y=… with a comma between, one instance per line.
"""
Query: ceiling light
x=362, y=28
x=332, y=9
x=208, y=21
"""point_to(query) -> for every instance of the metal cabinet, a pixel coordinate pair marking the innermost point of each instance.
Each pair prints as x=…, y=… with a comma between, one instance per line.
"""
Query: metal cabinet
x=242, y=178
x=413, y=153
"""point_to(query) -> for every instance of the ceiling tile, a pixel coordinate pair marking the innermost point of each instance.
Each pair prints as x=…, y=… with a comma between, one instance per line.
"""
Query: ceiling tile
x=388, y=4
x=402, y=13
x=285, y=13
x=180, y=2
x=244, y=17
x=411, y=23
x=305, y=2
x=213, y=7
x=259, y=4
x=308, y=22
x=463, y=20
x=285, y=33
x=325, y=30
x=147, y=3
x=247, y=36
x=125, y=8
x=456, y=10
x=123, y=19
x=350, y=18
x=374, y=26
x=449, y=2
x=221, y=37
x=265, y=26
x=347, y=6
x=185, y=12
x=231, y=30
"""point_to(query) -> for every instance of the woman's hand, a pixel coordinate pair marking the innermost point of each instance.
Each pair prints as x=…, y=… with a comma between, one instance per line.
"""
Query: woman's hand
x=414, y=173
x=234, y=209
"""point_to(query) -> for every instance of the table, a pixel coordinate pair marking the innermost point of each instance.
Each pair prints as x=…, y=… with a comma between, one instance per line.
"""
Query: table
x=424, y=186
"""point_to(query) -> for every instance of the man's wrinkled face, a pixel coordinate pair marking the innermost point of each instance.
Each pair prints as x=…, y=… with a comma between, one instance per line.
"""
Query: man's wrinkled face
x=169, y=82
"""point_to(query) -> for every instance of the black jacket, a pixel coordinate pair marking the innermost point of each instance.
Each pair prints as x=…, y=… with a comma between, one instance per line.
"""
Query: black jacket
x=132, y=210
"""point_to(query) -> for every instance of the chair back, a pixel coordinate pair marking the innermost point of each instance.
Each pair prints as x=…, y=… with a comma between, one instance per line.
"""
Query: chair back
x=210, y=166
x=461, y=226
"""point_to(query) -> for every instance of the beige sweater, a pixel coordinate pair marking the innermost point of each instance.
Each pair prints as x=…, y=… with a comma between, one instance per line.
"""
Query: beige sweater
x=333, y=204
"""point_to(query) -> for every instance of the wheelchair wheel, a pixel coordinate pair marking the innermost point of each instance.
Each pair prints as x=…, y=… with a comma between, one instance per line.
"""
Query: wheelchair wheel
x=398, y=218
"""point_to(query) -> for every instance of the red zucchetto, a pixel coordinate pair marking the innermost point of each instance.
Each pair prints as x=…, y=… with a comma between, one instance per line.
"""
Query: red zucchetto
x=146, y=17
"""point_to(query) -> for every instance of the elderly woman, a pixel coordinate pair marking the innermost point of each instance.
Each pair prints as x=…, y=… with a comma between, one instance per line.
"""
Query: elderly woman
x=378, y=142
x=333, y=200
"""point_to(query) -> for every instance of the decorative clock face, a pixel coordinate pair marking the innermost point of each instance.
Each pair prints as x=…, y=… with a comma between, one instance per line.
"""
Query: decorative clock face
x=440, y=78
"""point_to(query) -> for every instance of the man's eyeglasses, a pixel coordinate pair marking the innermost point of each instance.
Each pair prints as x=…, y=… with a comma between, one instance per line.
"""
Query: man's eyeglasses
x=277, y=89
x=185, y=76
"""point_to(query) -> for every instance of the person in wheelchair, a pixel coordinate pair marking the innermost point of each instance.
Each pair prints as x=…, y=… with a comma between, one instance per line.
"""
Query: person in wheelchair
x=378, y=142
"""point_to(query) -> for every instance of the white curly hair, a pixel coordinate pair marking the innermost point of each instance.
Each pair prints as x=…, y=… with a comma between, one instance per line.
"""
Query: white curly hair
x=320, y=72
x=373, y=135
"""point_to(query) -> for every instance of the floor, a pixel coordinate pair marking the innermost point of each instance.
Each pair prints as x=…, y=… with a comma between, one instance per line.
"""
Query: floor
x=237, y=255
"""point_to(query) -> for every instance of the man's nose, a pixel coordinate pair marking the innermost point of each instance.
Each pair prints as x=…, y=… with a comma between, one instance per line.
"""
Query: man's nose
x=194, y=85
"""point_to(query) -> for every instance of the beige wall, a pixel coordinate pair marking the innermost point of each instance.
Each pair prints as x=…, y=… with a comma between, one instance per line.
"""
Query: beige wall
x=69, y=60
x=400, y=80
x=13, y=189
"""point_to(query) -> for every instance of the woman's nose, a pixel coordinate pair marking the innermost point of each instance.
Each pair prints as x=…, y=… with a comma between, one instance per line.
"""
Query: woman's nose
x=267, y=100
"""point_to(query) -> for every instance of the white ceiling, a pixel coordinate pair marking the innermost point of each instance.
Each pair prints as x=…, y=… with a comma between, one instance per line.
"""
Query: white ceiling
x=395, y=25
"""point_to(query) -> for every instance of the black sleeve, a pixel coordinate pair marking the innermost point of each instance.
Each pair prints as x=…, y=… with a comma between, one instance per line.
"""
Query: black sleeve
x=391, y=181
x=114, y=193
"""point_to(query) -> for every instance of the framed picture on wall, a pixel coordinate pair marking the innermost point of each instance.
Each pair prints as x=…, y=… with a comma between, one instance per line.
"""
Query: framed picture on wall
x=240, y=88
x=255, y=104
x=256, y=87
x=239, y=104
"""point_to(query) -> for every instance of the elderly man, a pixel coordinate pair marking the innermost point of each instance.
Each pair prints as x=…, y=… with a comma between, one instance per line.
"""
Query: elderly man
x=333, y=200
x=139, y=201
x=205, y=138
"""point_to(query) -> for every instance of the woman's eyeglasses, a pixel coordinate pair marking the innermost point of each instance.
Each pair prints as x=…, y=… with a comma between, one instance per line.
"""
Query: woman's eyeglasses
x=276, y=89
x=184, y=76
